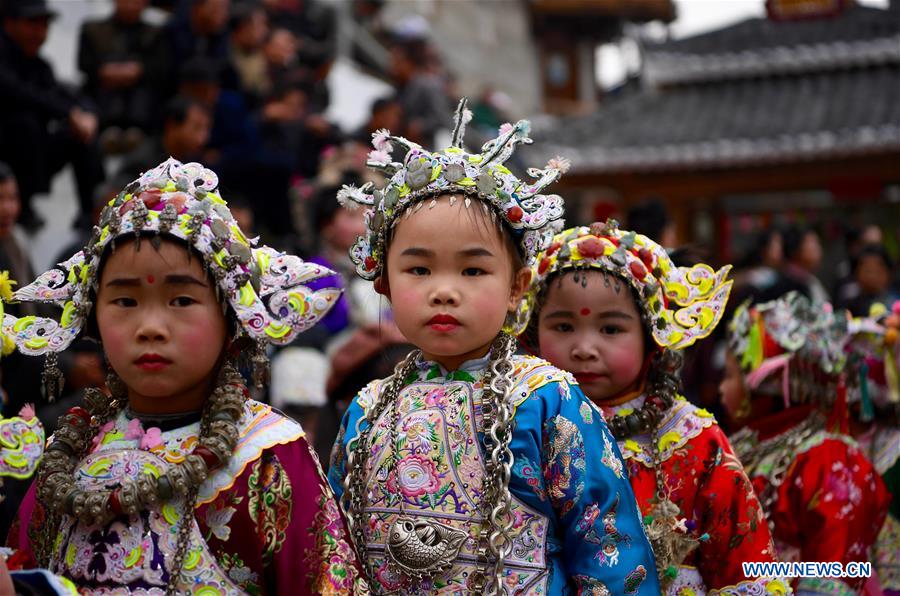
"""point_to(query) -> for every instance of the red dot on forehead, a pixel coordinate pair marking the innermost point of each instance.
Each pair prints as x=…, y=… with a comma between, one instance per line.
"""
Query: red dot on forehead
x=585, y=312
x=150, y=279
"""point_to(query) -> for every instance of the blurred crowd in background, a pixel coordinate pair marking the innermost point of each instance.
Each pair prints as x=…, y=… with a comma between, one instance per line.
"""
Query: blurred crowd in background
x=239, y=85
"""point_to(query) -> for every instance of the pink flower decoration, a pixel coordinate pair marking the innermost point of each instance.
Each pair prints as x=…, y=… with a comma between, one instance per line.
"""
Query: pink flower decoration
x=417, y=475
x=27, y=412
x=103, y=430
x=380, y=157
x=559, y=163
x=505, y=128
x=434, y=397
x=177, y=200
x=152, y=438
x=381, y=140
x=135, y=430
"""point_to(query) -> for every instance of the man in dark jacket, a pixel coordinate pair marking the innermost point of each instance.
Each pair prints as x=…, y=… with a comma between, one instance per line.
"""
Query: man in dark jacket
x=43, y=126
x=124, y=60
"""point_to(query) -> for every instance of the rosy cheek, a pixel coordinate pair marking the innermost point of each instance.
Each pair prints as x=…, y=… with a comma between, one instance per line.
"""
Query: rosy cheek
x=625, y=361
x=552, y=352
x=406, y=296
x=197, y=336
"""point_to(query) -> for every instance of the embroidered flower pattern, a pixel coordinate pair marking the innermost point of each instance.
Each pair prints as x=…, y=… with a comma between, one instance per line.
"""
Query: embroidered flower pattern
x=417, y=476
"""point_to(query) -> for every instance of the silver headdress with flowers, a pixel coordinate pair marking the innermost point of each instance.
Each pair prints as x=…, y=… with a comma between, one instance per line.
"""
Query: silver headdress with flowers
x=792, y=338
x=423, y=174
x=264, y=287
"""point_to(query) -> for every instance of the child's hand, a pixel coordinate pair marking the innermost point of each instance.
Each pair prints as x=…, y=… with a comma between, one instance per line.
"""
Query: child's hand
x=6, y=584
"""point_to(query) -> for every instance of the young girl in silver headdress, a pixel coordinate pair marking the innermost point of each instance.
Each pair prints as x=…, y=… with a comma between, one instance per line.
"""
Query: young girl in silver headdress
x=468, y=469
x=611, y=307
x=177, y=482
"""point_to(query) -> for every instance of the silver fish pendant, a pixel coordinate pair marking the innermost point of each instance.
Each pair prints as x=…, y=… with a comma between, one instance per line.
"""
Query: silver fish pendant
x=421, y=548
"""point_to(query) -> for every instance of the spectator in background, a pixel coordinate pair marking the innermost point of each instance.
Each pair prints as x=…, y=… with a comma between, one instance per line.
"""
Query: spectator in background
x=758, y=274
x=234, y=146
x=313, y=24
x=13, y=249
x=249, y=30
x=337, y=229
x=233, y=138
x=185, y=134
x=43, y=126
x=872, y=272
x=855, y=238
x=243, y=213
x=421, y=91
x=387, y=113
x=124, y=62
x=21, y=378
x=280, y=53
x=803, y=257
x=203, y=32
x=651, y=218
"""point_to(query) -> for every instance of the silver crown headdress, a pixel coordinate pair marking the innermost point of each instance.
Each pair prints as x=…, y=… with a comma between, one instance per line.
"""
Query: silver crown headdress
x=423, y=174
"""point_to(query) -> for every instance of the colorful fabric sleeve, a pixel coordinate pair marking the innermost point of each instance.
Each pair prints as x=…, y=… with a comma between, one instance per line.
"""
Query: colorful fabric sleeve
x=831, y=504
x=337, y=470
x=730, y=514
x=604, y=546
x=300, y=525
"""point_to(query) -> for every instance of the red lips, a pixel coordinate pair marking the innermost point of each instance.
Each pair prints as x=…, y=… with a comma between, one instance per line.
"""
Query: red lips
x=443, y=322
x=152, y=362
x=588, y=377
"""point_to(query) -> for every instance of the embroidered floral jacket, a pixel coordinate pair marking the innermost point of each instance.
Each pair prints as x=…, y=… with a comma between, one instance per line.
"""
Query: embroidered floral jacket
x=704, y=478
x=266, y=523
x=831, y=502
x=576, y=527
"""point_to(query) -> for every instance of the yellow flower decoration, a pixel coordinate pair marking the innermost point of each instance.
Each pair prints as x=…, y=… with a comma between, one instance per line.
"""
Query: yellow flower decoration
x=669, y=439
x=7, y=345
x=6, y=286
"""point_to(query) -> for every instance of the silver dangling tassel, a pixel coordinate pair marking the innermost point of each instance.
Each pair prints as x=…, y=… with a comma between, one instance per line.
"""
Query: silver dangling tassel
x=260, y=365
x=52, y=377
x=117, y=388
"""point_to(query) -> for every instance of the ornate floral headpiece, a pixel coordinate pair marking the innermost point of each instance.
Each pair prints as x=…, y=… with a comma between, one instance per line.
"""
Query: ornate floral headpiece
x=680, y=304
x=264, y=287
x=424, y=174
x=803, y=341
x=789, y=325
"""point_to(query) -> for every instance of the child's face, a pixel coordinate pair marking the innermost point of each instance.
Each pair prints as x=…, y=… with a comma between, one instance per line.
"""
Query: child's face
x=161, y=326
x=594, y=332
x=451, y=280
x=732, y=391
x=341, y=232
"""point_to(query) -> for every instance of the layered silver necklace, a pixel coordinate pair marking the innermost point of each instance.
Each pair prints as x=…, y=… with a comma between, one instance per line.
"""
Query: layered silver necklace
x=420, y=548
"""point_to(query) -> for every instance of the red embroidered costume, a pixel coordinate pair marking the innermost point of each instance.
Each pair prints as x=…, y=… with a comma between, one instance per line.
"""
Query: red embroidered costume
x=824, y=499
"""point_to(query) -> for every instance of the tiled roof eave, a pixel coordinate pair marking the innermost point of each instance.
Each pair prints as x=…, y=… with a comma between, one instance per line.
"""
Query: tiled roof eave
x=725, y=153
x=668, y=68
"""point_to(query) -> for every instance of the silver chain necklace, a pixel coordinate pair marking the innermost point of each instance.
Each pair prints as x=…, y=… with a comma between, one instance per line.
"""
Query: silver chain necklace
x=421, y=548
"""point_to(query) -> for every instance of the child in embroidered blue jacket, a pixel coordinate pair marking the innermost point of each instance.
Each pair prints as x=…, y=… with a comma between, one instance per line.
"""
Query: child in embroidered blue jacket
x=466, y=470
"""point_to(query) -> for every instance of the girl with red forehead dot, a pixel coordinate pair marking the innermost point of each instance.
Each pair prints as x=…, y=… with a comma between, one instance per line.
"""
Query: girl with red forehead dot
x=173, y=480
x=467, y=471
x=610, y=307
